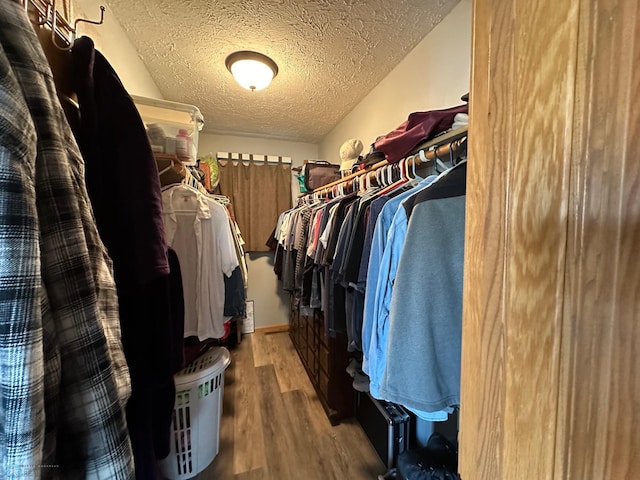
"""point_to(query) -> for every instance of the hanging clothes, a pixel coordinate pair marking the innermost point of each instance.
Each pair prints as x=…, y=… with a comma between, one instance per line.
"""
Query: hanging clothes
x=356, y=243
x=198, y=229
x=124, y=188
x=423, y=351
x=64, y=381
x=380, y=278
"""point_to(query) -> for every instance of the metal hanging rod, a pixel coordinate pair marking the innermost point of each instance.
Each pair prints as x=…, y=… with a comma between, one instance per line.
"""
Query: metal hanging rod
x=63, y=33
x=439, y=147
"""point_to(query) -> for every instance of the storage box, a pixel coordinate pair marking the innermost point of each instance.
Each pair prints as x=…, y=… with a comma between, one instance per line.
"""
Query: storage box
x=386, y=424
x=195, y=427
x=167, y=119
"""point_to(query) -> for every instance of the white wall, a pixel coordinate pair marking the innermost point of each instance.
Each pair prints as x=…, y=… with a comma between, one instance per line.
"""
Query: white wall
x=111, y=40
x=435, y=74
x=270, y=302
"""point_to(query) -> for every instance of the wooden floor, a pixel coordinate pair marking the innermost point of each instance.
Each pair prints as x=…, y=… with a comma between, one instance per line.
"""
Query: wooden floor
x=273, y=426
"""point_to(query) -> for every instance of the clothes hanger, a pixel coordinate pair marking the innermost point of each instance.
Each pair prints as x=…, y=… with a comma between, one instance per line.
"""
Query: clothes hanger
x=403, y=170
x=383, y=176
x=168, y=167
x=219, y=198
x=414, y=175
x=402, y=179
x=437, y=162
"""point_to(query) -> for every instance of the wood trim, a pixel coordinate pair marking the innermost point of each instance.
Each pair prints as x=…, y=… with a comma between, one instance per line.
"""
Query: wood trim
x=550, y=331
x=598, y=437
x=273, y=328
x=482, y=365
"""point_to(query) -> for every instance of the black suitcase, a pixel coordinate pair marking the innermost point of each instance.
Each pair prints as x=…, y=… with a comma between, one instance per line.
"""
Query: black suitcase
x=386, y=424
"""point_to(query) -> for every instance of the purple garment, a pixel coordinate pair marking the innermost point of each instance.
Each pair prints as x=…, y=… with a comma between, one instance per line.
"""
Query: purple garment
x=419, y=127
x=121, y=172
x=124, y=189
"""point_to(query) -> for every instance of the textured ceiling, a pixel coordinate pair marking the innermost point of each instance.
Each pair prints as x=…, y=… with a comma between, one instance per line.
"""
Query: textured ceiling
x=330, y=53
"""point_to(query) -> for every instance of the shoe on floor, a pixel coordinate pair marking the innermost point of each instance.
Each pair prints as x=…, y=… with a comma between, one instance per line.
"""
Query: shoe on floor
x=361, y=382
x=353, y=367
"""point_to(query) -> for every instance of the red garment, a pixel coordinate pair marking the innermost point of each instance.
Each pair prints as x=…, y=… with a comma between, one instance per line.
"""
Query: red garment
x=420, y=126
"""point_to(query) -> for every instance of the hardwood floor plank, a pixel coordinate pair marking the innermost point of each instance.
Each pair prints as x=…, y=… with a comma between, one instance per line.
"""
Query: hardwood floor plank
x=317, y=416
x=247, y=422
x=270, y=435
x=354, y=448
x=261, y=347
x=258, y=474
x=289, y=371
x=311, y=444
x=284, y=457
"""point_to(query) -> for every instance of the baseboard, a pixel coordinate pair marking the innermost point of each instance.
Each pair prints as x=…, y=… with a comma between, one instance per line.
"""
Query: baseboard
x=273, y=328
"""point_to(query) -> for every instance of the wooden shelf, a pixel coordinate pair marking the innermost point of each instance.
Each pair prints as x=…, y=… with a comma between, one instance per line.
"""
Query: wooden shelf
x=176, y=172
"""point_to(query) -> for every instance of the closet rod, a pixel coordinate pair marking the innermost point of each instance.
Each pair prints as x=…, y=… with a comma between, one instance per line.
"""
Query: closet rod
x=47, y=14
x=452, y=146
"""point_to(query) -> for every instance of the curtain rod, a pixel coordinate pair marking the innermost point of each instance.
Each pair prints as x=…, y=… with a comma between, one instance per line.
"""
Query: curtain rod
x=61, y=28
x=452, y=146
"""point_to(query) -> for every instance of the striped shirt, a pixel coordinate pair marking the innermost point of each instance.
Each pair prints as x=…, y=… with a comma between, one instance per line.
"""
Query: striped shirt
x=64, y=381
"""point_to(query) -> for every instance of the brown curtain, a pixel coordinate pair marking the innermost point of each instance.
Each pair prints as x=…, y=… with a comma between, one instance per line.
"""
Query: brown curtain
x=259, y=192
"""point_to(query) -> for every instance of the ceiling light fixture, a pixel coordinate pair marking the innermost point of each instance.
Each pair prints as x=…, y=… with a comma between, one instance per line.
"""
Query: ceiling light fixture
x=252, y=70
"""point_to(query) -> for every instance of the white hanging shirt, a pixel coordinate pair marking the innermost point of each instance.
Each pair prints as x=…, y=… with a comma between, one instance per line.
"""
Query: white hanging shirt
x=197, y=228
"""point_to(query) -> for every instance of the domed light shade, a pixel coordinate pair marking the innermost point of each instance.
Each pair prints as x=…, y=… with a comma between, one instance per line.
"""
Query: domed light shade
x=252, y=70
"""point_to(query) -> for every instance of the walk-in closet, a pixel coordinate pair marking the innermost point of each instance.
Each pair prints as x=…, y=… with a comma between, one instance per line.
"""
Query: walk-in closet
x=319, y=240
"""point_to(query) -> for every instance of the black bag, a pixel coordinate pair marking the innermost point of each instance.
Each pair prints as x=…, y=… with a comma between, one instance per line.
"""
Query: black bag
x=318, y=173
x=437, y=461
x=386, y=424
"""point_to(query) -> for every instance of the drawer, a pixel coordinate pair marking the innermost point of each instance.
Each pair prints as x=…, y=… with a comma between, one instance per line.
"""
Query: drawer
x=301, y=343
x=319, y=331
x=323, y=383
x=322, y=340
x=311, y=358
x=303, y=328
x=323, y=357
x=311, y=334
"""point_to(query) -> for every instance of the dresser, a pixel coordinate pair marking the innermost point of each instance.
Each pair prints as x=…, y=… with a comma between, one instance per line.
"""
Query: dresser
x=325, y=360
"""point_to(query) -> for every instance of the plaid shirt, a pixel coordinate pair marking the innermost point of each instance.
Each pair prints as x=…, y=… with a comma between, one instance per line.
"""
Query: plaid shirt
x=64, y=381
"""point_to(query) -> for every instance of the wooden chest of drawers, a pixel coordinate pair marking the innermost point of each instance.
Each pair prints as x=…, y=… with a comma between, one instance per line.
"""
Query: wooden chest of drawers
x=325, y=360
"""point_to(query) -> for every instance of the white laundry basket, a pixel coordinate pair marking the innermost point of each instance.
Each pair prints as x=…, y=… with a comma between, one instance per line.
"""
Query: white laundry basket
x=195, y=427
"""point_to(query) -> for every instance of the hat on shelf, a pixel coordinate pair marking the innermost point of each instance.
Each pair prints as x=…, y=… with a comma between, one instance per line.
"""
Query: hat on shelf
x=349, y=153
